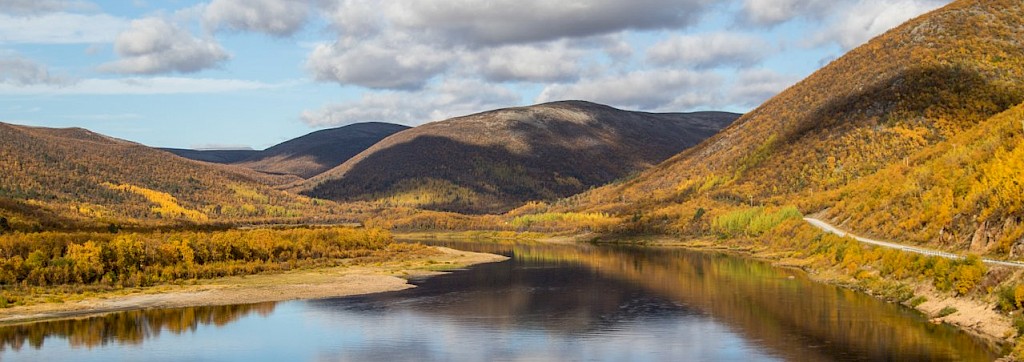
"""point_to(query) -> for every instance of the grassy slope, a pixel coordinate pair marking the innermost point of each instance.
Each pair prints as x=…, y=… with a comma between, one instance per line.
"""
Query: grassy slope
x=73, y=177
x=881, y=105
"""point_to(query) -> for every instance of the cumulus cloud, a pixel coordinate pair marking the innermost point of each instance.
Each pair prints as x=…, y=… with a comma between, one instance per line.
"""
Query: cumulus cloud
x=848, y=23
x=404, y=50
x=400, y=62
x=357, y=18
x=19, y=71
x=709, y=50
x=395, y=64
x=60, y=28
x=774, y=12
x=755, y=86
x=35, y=7
x=272, y=17
x=548, y=62
x=445, y=100
x=519, y=21
x=616, y=47
x=152, y=85
x=644, y=90
x=866, y=19
x=676, y=90
x=402, y=44
x=154, y=46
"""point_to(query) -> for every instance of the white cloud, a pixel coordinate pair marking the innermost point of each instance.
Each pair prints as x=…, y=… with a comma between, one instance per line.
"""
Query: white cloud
x=356, y=18
x=710, y=50
x=848, y=23
x=152, y=85
x=616, y=47
x=436, y=102
x=774, y=12
x=19, y=71
x=273, y=17
x=404, y=44
x=645, y=90
x=675, y=90
x=522, y=21
x=865, y=19
x=154, y=46
x=384, y=64
x=548, y=62
x=35, y=7
x=753, y=87
x=60, y=28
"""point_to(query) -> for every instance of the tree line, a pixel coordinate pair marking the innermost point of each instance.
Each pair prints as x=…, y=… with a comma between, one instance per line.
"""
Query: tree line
x=46, y=259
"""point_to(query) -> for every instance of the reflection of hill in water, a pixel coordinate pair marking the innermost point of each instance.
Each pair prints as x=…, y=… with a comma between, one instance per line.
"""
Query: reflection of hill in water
x=563, y=298
x=130, y=327
x=779, y=308
x=542, y=296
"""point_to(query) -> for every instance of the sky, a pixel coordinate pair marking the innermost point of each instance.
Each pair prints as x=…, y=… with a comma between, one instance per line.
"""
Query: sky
x=253, y=73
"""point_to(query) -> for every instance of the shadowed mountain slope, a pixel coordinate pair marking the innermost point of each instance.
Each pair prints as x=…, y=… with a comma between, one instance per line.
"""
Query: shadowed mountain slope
x=493, y=161
x=214, y=156
x=304, y=156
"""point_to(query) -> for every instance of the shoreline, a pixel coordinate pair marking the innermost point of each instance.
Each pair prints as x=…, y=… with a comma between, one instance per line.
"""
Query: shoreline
x=306, y=284
x=979, y=321
x=974, y=317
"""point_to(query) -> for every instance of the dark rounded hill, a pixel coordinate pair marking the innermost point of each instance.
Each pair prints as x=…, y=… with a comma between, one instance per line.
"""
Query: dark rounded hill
x=214, y=156
x=314, y=153
x=497, y=160
x=304, y=156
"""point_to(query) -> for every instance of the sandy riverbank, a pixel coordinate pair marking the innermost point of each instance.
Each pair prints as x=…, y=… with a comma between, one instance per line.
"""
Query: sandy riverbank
x=299, y=284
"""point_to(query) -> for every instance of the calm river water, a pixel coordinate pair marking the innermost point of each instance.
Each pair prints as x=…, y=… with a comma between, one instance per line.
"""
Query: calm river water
x=549, y=302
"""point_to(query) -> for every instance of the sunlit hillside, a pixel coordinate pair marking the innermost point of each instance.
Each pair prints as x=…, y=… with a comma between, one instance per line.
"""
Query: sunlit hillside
x=74, y=177
x=927, y=83
x=962, y=194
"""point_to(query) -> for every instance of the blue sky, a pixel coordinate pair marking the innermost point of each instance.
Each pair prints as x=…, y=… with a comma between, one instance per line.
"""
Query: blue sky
x=252, y=73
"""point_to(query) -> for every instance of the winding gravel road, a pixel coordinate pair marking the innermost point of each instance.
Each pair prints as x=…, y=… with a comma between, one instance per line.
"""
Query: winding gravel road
x=913, y=249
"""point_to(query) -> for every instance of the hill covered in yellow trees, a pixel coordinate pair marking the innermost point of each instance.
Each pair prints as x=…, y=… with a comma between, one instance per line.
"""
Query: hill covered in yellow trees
x=904, y=137
x=964, y=194
x=63, y=178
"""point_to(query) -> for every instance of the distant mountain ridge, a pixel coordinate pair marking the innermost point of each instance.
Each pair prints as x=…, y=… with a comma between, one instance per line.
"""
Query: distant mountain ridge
x=214, y=156
x=304, y=156
x=496, y=160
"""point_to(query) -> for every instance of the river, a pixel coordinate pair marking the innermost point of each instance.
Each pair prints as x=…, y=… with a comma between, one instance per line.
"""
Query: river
x=548, y=302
